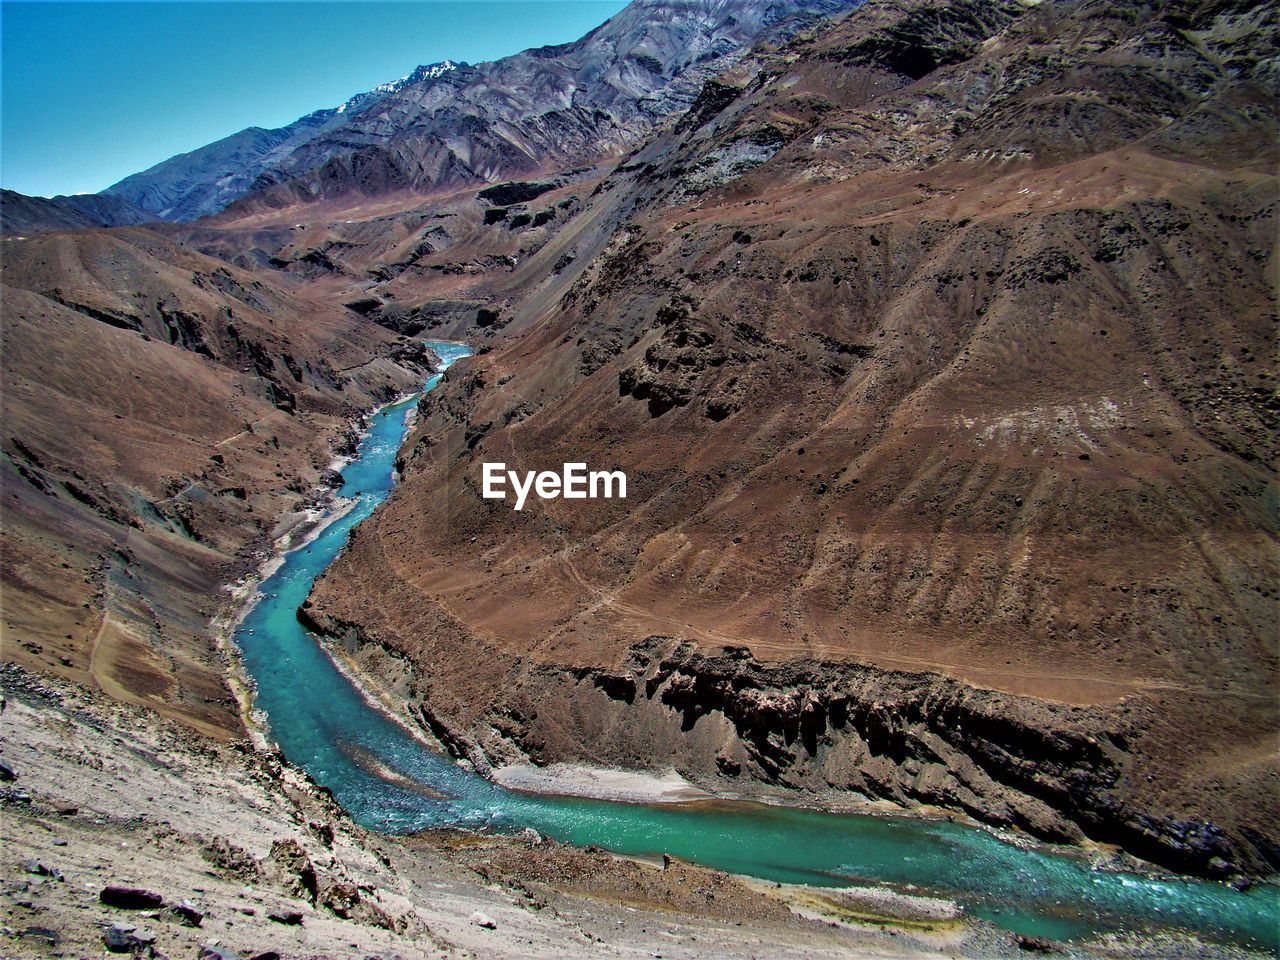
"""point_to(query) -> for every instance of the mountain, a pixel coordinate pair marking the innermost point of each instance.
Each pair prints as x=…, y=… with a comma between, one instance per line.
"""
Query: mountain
x=936, y=341
x=553, y=107
x=162, y=412
x=455, y=124
x=105, y=210
x=20, y=214
x=937, y=346
x=202, y=182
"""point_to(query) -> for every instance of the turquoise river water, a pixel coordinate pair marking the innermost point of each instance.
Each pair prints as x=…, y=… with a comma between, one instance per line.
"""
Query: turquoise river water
x=389, y=780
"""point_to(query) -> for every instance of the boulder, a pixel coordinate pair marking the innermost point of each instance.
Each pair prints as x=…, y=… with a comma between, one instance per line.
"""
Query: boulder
x=1034, y=944
x=40, y=870
x=188, y=913
x=342, y=899
x=294, y=868
x=125, y=937
x=119, y=937
x=130, y=898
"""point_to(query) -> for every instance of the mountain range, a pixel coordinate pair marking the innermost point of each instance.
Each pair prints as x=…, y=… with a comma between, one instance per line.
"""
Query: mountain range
x=936, y=339
x=450, y=124
x=202, y=182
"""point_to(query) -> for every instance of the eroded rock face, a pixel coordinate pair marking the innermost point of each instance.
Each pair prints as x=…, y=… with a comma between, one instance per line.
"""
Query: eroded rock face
x=949, y=410
x=1060, y=773
x=1054, y=771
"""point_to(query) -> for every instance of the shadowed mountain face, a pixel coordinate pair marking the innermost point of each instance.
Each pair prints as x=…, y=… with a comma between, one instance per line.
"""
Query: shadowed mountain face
x=937, y=346
x=161, y=412
x=452, y=124
x=20, y=214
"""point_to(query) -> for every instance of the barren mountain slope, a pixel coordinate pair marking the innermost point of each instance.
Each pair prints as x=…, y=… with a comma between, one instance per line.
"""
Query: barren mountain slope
x=938, y=350
x=161, y=412
x=447, y=265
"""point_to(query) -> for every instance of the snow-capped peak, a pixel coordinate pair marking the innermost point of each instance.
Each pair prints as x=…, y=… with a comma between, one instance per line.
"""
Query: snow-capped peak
x=430, y=71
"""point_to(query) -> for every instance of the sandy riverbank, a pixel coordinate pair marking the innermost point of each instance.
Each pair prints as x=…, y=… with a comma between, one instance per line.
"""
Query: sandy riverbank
x=580, y=780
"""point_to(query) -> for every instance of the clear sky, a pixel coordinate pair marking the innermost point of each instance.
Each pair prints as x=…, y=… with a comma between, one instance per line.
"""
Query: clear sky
x=93, y=92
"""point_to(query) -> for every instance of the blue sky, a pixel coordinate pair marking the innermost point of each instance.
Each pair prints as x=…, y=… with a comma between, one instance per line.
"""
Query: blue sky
x=95, y=91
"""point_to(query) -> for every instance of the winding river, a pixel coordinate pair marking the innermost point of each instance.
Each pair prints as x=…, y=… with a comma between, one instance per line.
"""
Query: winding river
x=390, y=781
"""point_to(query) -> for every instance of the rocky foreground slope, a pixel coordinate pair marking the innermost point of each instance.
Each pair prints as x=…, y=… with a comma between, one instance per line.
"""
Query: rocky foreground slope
x=119, y=828
x=938, y=348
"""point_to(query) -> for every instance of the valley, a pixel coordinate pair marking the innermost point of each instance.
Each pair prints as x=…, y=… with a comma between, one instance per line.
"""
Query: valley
x=934, y=341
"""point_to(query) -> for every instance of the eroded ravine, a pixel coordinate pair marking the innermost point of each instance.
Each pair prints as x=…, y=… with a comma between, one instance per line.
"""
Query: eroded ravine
x=389, y=780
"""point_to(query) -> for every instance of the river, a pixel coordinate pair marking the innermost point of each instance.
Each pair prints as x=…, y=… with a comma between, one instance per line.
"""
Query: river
x=389, y=780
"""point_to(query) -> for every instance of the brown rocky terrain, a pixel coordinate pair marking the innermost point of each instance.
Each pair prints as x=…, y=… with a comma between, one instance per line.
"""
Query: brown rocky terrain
x=115, y=823
x=162, y=411
x=938, y=348
x=417, y=265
